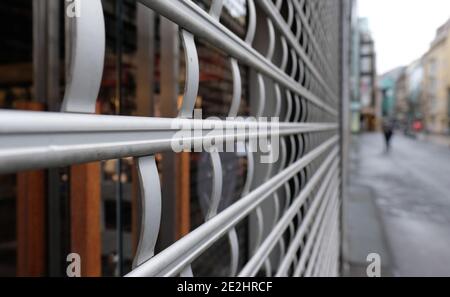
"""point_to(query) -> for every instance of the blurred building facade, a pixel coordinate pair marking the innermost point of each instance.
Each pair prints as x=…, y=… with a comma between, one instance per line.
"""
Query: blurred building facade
x=436, y=105
x=401, y=95
x=364, y=99
x=417, y=96
x=390, y=85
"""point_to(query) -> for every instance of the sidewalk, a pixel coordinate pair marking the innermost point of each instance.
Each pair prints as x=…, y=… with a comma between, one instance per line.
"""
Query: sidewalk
x=364, y=232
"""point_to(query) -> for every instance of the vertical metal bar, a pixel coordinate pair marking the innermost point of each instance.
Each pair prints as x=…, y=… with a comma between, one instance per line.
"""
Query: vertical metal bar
x=53, y=104
x=169, y=86
x=47, y=90
x=345, y=23
x=39, y=50
x=118, y=103
x=145, y=87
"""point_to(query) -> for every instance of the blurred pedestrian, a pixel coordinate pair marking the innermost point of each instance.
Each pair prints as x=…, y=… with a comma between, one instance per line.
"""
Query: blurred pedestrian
x=388, y=131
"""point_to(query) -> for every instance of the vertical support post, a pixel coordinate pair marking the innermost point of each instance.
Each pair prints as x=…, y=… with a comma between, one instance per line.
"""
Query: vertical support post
x=31, y=202
x=85, y=217
x=346, y=8
x=53, y=98
x=170, y=58
x=145, y=60
x=118, y=103
x=176, y=219
x=30, y=205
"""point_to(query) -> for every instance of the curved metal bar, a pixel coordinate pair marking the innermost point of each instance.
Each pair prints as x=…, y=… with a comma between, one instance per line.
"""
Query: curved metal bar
x=298, y=23
x=301, y=68
x=277, y=101
x=283, y=159
x=301, y=149
x=150, y=203
x=216, y=193
x=216, y=9
x=268, y=268
x=251, y=22
x=293, y=149
x=284, y=59
x=250, y=170
x=296, y=185
x=298, y=107
x=87, y=55
x=237, y=88
x=305, y=40
x=287, y=117
x=290, y=18
x=278, y=4
x=305, y=112
x=302, y=185
x=234, y=245
x=260, y=224
x=192, y=75
x=271, y=43
x=276, y=209
x=262, y=96
x=294, y=64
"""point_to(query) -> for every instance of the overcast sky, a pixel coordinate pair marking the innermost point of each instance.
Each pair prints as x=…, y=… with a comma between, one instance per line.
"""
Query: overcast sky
x=403, y=29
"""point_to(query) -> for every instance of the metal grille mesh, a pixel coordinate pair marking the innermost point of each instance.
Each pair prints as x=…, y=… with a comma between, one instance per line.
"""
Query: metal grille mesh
x=291, y=56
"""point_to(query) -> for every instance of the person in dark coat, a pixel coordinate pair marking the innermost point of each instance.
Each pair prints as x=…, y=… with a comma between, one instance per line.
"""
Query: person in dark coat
x=388, y=131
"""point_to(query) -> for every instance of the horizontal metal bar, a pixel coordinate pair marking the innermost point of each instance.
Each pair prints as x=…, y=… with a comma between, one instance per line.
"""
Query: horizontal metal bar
x=192, y=18
x=31, y=140
x=254, y=264
x=173, y=259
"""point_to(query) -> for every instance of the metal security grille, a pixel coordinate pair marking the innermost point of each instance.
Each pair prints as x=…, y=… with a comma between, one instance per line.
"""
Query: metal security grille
x=292, y=49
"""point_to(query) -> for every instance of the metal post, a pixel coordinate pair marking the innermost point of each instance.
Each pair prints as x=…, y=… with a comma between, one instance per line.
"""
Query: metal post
x=145, y=61
x=345, y=21
x=169, y=88
x=118, y=103
x=46, y=61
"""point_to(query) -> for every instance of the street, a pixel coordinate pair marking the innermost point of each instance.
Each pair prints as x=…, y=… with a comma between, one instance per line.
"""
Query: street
x=407, y=193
